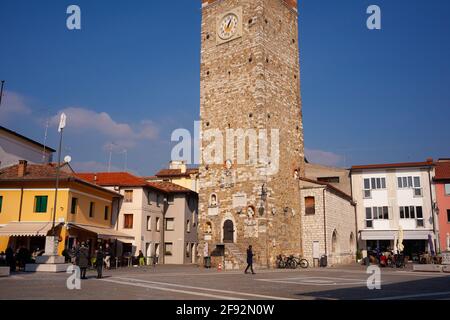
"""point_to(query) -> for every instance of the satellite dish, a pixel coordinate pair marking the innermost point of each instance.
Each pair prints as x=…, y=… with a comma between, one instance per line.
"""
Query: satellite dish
x=67, y=159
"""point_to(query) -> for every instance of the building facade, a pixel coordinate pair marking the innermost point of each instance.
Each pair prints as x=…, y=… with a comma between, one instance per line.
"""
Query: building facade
x=337, y=177
x=250, y=83
x=160, y=216
x=178, y=173
x=391, y=197
x=442, y=183
x=15, y=147
x=85, y=212
x=328, y=223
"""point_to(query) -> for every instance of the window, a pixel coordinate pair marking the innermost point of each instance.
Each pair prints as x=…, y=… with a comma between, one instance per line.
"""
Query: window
x=73, y=206
x=149, y=223
x=188, y=226
x=376, y=213
x=310, y=205
x=40, y=204
x=91, y=210
x=412, y=212
x=448, y=215
x=170, y=224
x=128, y=196
x=106, y=212
x=419, y=215
x=128, y=221
x=1, y=203
x=408, y=182
x=373, y=184
x=447, y=189
x=329, y=179
x=168, y=247
x=369, y=222
x=158, y=200
x=158, y=224
x=149, y=198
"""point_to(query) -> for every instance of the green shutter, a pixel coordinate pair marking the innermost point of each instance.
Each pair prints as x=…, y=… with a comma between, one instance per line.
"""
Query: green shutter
x=41, y=204
x=1, y=203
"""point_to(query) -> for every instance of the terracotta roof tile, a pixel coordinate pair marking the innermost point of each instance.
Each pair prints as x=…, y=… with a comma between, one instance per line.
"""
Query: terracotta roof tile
x=394, y=165
x=125, y=179
x=176, y=172
x=109, y=179
x=33, y=172
x=442, y=170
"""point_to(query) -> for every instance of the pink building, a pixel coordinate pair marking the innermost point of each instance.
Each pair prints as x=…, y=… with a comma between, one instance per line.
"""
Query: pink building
x=442, y=183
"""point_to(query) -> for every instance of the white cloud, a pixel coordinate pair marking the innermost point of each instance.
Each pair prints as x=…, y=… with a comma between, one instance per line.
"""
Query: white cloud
x=123, y=135
x=324, y=157
x=13, y=104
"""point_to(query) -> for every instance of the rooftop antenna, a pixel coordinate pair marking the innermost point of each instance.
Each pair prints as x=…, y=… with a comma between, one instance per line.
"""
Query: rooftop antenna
x=125, y=152
x=1, y=91
x=47, y=124
x=110, y=155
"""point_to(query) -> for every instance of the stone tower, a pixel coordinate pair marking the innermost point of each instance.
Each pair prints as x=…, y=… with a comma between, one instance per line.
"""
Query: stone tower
x=250, y=81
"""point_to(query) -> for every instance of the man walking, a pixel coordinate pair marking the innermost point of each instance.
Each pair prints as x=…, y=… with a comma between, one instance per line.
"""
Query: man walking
x=249, y=260
x=99, y=262
x=107, y=258
x=82, y=259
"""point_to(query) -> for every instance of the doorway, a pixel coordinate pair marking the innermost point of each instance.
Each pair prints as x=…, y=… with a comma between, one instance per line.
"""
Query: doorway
x=228, y=232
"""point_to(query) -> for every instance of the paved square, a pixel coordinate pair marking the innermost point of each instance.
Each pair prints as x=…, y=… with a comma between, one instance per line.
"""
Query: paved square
x=194, y=283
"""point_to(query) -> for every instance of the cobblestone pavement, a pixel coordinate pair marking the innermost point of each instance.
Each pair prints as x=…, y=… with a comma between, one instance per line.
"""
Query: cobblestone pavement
x=194, y=283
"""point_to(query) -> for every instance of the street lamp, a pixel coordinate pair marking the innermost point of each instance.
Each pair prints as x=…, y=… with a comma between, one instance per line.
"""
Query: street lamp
x=62, y=125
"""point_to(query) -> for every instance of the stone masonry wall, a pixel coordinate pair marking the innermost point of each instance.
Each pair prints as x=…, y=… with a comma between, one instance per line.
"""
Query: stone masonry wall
x=253, y=83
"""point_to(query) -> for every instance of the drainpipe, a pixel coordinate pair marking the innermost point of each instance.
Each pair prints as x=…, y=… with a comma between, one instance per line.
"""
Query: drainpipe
x=163, y=231
x=356, y=213
x=325, y=221
x=436, y=234
x=21, y=203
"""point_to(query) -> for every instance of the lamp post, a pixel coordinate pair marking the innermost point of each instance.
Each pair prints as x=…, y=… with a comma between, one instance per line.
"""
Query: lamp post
x=62, y=125
x=1, y=91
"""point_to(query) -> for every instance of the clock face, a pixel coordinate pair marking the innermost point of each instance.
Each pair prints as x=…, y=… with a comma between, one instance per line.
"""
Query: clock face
x=228, y=26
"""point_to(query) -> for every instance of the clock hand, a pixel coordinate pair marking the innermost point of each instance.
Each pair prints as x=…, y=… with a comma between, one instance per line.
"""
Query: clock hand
x=229, y=23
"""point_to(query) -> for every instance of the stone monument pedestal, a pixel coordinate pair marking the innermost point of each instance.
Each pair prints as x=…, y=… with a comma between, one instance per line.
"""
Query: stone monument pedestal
x=50, y=261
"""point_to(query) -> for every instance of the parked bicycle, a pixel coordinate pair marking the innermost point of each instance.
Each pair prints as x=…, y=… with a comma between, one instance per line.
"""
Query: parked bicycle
x=291, y=262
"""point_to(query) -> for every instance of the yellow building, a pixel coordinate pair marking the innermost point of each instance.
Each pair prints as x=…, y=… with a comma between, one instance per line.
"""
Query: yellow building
x=84, y=212
x=179, y=174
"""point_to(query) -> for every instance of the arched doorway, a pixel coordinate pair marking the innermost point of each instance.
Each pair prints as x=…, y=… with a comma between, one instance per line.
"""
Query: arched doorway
x=228, y=231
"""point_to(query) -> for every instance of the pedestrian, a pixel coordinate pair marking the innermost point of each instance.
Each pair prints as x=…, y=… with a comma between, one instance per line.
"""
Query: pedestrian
x=141, y=259
x=9, y=253
x=107, y=254
x=99, y=262
x=249, y=259
x=82, y=259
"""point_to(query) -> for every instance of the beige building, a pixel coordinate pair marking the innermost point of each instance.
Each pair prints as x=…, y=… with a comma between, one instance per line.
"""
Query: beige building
x=161, y=216
x=179, y=174
x=337, y=177
x=328, y=223
x=250, y=80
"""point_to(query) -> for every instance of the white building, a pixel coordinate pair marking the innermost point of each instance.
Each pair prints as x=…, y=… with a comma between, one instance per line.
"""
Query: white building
x=161, y=216
x=396, y=196
x=15, y=147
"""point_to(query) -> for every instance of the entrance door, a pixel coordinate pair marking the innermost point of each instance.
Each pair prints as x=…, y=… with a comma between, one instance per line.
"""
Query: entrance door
x=228, y=231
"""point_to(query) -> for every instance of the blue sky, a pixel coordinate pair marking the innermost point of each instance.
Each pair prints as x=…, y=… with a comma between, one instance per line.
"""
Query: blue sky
x=131, y=76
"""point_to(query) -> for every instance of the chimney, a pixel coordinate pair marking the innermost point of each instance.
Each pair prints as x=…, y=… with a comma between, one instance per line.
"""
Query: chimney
x=430, y=160
x=22, y=168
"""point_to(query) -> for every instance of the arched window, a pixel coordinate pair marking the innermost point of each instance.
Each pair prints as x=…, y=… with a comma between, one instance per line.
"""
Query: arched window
x=334, y=245
x=352, y=242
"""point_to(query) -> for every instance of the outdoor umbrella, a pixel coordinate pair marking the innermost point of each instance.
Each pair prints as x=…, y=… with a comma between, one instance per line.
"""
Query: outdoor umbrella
x=400, y=245
x=430, y=243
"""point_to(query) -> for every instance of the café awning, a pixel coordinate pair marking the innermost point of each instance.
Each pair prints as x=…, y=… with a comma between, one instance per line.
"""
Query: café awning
x=26, y=229
x=391, y=234
x=102, y=233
